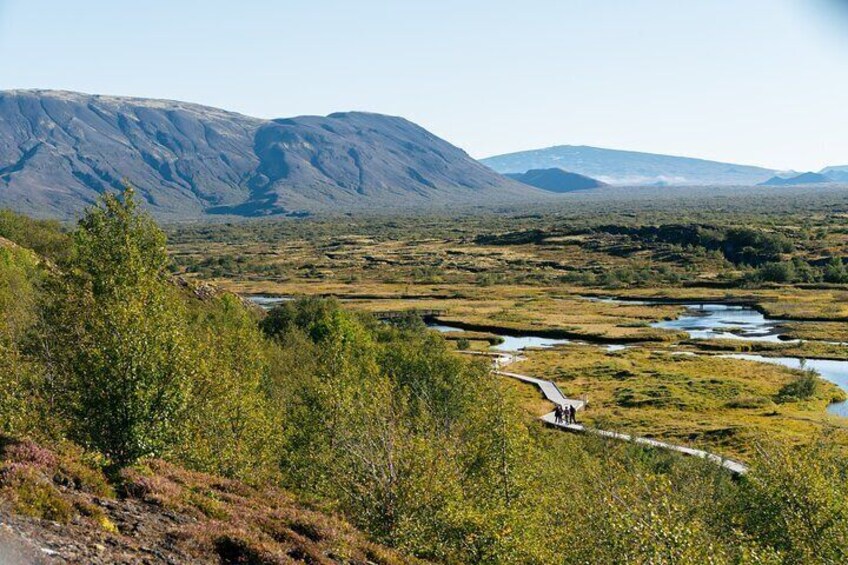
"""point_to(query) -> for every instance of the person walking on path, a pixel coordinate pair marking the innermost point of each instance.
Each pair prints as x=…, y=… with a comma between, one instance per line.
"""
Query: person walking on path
x=572, y=414
x=558, y=413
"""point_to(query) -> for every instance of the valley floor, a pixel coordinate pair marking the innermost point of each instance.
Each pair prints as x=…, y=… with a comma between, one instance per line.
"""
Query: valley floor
x=531, y=276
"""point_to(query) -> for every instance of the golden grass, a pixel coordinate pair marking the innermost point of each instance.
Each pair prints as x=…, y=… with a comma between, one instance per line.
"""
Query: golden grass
x=724, y=404
x=719, y=403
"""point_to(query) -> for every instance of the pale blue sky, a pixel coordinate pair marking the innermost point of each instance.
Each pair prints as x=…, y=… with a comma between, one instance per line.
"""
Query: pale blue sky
x=753, y=81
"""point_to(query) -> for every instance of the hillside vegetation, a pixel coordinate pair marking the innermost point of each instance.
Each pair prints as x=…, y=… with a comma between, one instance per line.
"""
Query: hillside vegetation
x=261, y=437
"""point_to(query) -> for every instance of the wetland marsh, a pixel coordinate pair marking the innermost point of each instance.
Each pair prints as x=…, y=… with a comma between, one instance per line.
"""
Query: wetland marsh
x=671, y=329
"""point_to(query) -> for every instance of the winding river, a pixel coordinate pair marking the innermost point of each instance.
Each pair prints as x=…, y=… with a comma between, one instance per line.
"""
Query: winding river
x=709, y=321
x=721, y=321
x=700, y=321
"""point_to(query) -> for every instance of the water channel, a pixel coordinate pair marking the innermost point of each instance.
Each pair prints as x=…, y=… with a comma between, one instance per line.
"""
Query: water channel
x=700, y=321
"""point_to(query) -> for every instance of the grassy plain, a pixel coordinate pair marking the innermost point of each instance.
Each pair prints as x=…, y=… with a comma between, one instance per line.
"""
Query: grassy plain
x=704, y=400
x=541, y=273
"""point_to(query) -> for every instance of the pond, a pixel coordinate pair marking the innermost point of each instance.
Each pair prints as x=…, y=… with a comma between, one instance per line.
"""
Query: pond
x=721, y=321
x=509, y=343
x=267, y=302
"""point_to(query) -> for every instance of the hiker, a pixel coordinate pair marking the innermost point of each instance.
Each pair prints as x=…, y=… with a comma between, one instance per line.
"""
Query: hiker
x=572, y=414
x=558, y=414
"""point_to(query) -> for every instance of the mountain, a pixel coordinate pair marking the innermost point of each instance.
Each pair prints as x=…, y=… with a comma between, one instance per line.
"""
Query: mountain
x=836, y=174
x=803, y=178
x=556, y=180
x=630, y=167
x=60, y=150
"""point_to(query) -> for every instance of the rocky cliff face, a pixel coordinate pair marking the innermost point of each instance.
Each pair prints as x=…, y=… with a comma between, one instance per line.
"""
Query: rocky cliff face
x=60, y=150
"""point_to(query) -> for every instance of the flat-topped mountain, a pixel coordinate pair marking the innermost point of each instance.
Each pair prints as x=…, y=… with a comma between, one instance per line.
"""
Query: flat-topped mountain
x=60, y=150
x=556, y=180
x=625, y=168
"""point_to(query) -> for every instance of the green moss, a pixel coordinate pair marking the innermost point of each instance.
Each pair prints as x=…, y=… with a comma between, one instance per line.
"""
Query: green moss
x=34, y=496
x=207, y=505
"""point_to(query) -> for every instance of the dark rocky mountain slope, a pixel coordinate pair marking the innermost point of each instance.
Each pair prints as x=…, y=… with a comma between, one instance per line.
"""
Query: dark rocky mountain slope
x=60, y=150
x=556, y=180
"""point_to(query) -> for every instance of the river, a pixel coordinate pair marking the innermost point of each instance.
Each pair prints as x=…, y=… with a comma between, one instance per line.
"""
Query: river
x=700, y=321
x=710, y=321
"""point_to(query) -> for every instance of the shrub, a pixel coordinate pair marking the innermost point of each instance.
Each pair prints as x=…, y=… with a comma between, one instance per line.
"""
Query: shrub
x=776, y=272
x=45, y=237
x=835, y=272
x=802, y=388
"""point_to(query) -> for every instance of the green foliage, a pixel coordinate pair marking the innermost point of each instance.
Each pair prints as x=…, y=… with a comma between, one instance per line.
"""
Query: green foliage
x=410, y=321
x=20, y=278
x=117, y=336
x=777, y=272
x=407, y=436
x=45, y=237
x=231, y=428
x=423, y=448
x=23, y=410
x=141, y=370
x=310, y=315
x=754, y=246
x=20, y=375
x=835, y=272
x=802, y=388
x=795, y=501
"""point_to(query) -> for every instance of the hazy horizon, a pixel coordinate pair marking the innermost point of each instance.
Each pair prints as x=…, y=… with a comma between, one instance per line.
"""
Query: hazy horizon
x=751, y=84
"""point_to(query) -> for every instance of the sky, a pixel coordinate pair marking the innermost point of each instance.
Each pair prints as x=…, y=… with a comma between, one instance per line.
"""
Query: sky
x=760, y=82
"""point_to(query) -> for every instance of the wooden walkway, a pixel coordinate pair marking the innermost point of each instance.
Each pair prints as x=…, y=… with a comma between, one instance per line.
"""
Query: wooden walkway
x=549, y=389
x=552, y=393
x=733, y=466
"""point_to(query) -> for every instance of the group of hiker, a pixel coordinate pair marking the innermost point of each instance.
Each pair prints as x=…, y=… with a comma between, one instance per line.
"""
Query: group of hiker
x=565, y=414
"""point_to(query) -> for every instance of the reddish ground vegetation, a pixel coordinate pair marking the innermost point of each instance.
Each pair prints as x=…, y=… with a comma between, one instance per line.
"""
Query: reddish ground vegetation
x=56, y=506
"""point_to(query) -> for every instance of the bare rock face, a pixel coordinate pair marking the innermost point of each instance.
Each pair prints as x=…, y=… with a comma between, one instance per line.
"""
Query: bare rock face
x=60, y=150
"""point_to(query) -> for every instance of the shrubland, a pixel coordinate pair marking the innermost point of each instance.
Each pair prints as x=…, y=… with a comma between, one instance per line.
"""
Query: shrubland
x=119, y=384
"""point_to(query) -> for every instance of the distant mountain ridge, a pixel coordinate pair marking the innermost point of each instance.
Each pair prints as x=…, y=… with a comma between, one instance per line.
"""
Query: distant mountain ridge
x=60, y=150
x=836, y=174
x=634, y=168
x=556, y=180
x=803, y=178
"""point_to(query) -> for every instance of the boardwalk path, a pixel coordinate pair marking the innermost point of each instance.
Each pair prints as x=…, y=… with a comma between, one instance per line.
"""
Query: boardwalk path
x=552, y=392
